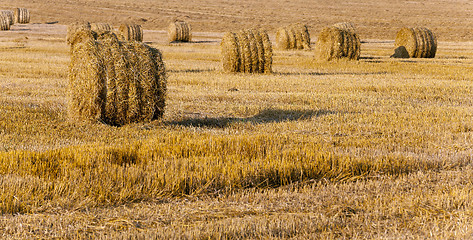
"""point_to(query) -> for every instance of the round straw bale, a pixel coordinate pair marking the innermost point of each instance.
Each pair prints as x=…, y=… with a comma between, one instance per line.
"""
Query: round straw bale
x=230, y=50
x=76, y=27
x=430, y=41
x=22, y=15
x=100, y=27
x=407, y=37
x=10, y=15
x=348, y=26
x=179, y=31
x=268, y=51
x=115, y=82
x=282, y=38
x=4, y=22
x=131, y=32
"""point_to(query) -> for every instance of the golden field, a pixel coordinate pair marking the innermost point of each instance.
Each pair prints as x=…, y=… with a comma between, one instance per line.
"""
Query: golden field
x=379, y=148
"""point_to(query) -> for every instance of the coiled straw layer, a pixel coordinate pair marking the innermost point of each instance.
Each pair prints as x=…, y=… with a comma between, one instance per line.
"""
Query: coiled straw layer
x=179, y=31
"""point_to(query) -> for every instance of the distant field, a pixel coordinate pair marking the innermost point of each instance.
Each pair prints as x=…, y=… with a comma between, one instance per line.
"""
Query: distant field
x=378, y=148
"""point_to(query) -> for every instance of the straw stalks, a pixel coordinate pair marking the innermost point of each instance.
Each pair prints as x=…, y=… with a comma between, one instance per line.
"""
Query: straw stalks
x=335, y=43
x=179, y=31
x=295, y=36
x=22, y=15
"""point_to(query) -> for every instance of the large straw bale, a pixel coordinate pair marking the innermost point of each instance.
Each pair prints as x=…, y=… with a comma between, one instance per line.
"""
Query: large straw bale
x=247, y=51
x=10, y=15
x=179, y=31
x=22, y=15
x=4, y=22
x=75, y=27
x=131, y=32
x=114, y=82
x=419, y=42
x=294, y=36
x=336, y=43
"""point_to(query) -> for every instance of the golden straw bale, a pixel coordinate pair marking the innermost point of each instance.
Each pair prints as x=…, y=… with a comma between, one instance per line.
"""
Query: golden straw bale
x=419, y=42
x=230, y=52
x=76, y=27
x=179, y=31
x=22, y=15
x=100, y=27
x=10, y=15
x=294, y=36
x=131, y=32
x=115, y=82
x=335, y=43
x=4, y=22
x=245, y=52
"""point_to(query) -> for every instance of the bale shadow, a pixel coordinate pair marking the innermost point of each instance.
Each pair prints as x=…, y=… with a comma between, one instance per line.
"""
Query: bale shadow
x=329, y=74
x=191, y=70
x=265, y=116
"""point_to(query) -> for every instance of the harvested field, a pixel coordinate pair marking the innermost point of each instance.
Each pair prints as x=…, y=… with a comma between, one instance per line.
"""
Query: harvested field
x=379, y=148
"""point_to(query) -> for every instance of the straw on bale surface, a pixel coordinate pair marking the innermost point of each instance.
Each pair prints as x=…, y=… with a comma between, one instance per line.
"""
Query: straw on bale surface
x=131, y=32
x=22, y=15
x=74, y=28
x=348, y=26
x=295, y=36
x=100, y=27
x=4, y=22
x=179, y=31
x=336, y=43
x=247, y=51
x=114, y=82
x=419, y=42
x=10, y=15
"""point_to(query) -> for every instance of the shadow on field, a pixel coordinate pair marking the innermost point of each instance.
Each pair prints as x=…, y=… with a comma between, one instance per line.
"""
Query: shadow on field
x=265, y=116
x=191, y=70
x=329, y=73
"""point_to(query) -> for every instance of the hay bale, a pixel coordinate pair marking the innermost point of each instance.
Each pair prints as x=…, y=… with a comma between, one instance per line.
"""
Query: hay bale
x=10, y=15
x=100, y=27
x=247, y=51
x=75, y=27
x=114, y=82
x=22, y=15
x=4, y=22
x=131, y=32
x=179, y=31
x=419, y=42
x=294, y=36
x=336, y=43
x=348, y=26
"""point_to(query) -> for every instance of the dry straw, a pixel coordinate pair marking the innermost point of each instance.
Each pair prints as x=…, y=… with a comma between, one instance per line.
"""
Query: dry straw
x=131, y=32
x=75, y=27
x=114, y=82
x=22, y=15
x=247, y=51
x=335, y=43
x=419, y=42
x=4, y=22
x=179, y=31
x=295, y=36
x=10, y=15
x=100, y=27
